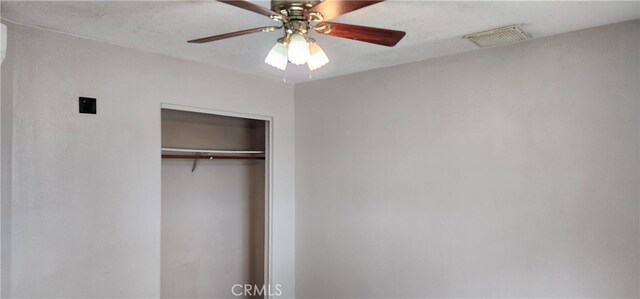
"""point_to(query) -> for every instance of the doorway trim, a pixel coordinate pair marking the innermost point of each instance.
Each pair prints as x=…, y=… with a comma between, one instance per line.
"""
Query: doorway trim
x=268, y=237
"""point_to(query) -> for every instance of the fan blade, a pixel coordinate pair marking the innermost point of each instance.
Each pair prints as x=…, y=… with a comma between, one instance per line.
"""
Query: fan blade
x=256, y=8
x=333, y=8
x=384, y=37
x=233, y=34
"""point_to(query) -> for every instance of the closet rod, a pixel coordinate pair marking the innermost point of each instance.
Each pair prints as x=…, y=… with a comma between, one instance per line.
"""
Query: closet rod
x=188, y=150
x=204, y=157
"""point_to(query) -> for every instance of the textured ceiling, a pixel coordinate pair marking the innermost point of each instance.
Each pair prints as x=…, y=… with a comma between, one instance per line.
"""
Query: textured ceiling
x=433, y=29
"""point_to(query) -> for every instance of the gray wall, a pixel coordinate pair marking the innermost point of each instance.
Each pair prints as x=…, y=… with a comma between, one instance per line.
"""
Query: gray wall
x=6, y=133
x=86, y=188
x=212, y=227
x=506, y=172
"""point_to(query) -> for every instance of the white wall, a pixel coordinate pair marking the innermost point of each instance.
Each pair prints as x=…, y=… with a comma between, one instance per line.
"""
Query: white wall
x=86, y=188
x=507, y=172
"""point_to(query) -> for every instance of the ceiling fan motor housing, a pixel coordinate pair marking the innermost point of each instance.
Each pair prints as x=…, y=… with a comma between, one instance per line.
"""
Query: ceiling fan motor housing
x=297, y=10
x=297, y=26
x=292, y=8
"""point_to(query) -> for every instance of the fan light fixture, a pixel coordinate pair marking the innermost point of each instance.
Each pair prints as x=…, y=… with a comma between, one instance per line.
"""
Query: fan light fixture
x=318, y=58
x=277, y=57
x=298, y=49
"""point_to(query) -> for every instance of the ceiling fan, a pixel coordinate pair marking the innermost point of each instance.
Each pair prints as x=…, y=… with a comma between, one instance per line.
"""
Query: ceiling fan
x=298, y=18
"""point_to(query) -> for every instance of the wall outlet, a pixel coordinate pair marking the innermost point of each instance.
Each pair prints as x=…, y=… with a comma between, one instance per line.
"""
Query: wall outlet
x=88, y=105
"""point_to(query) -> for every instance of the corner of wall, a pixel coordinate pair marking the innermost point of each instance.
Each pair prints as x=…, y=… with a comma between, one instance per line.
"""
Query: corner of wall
x=6, y=136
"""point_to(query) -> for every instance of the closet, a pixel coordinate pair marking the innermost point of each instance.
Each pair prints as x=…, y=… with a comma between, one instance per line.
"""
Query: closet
x=213, y=204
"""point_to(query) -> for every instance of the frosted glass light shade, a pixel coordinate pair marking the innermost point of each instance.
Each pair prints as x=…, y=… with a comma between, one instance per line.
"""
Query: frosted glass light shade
x=298, y=49
x=318, y=58
x=277, y=57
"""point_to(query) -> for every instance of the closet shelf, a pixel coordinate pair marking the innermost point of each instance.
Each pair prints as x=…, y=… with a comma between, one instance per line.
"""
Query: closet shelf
x=203, y=151
x=211, y=157
x=203, y=154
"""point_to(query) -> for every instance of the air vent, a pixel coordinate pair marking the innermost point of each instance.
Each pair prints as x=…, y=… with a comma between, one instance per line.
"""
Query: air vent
x=498, y=36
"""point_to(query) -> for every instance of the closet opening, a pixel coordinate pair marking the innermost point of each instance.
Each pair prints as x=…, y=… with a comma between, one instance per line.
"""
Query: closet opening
x=215, y=216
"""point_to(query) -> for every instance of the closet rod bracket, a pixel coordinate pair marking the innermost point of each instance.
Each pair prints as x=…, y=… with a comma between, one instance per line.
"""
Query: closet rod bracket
x=195, y=164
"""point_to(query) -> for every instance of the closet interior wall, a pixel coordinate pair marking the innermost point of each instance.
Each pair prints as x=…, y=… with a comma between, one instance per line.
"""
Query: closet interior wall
x=213, y=219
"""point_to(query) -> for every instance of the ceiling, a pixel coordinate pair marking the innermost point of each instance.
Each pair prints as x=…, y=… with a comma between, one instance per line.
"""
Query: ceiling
x=433, y=29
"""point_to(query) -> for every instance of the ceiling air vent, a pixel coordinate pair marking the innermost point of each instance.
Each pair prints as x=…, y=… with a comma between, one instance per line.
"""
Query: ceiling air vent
x=499, y=36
